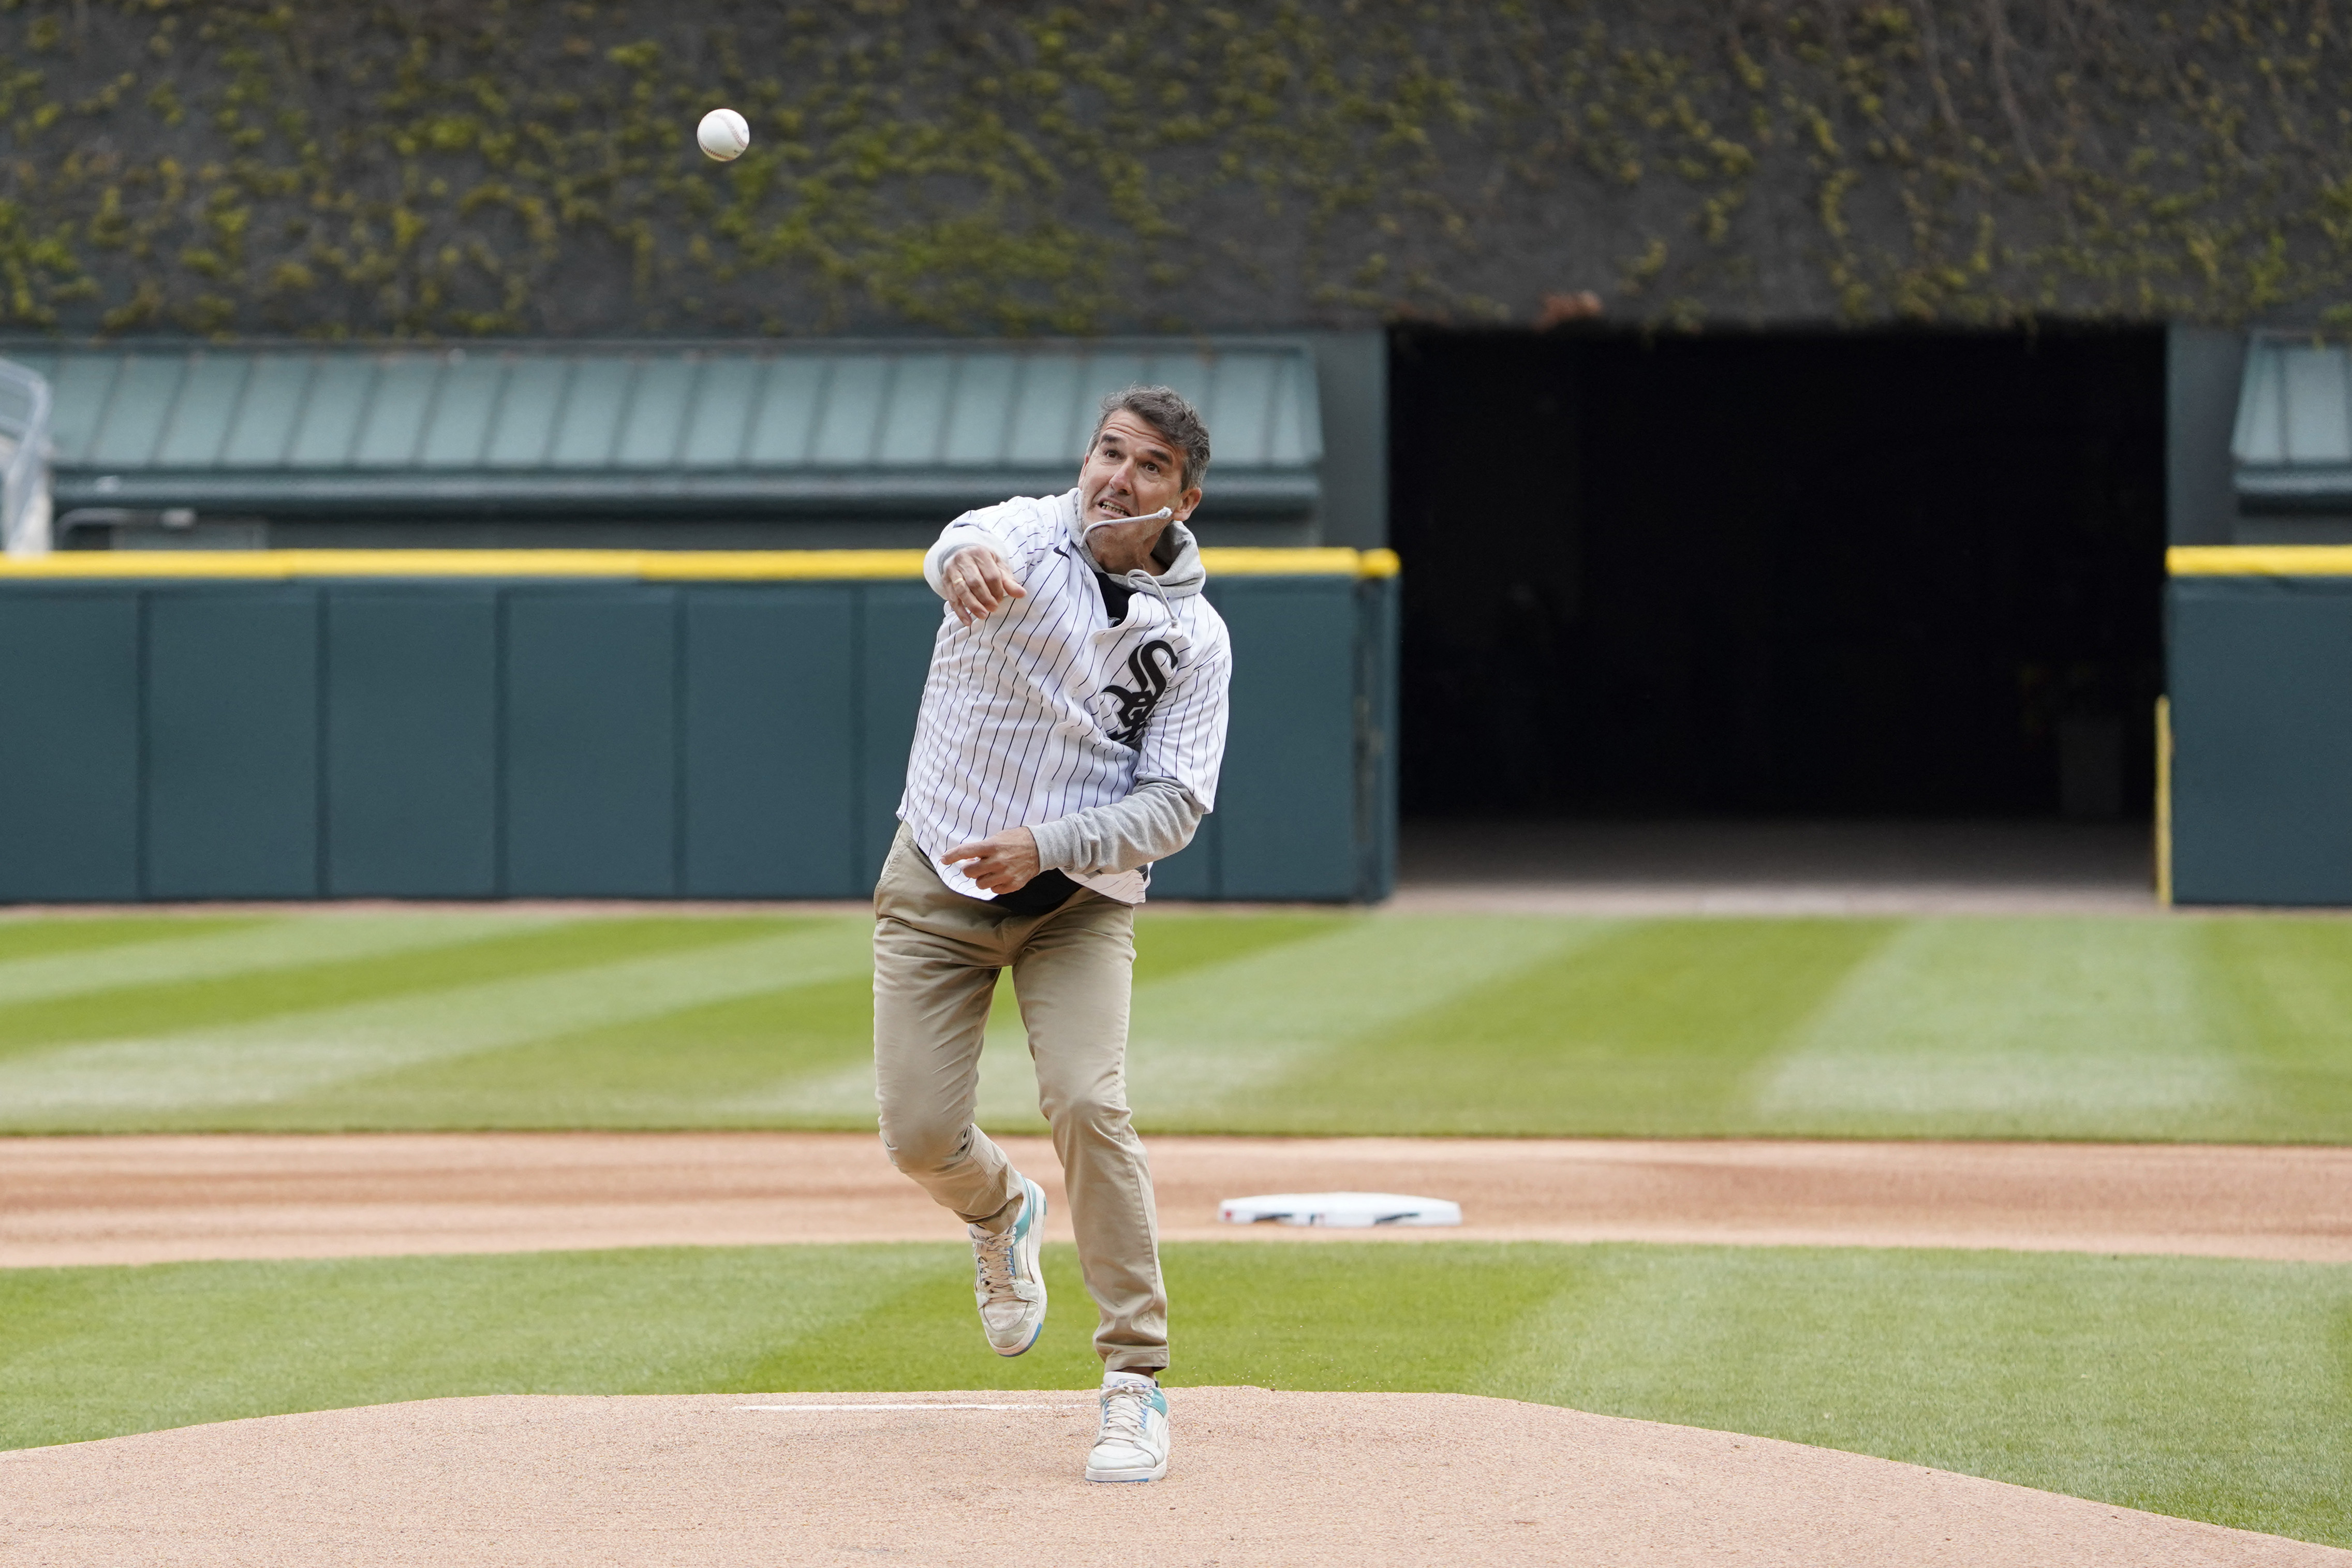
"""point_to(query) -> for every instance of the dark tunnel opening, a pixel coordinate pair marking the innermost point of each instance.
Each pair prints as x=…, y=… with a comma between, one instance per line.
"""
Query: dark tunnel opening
x=1871, y=575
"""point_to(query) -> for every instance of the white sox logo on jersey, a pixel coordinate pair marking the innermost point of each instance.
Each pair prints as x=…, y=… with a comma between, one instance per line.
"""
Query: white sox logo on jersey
x=1124, y=710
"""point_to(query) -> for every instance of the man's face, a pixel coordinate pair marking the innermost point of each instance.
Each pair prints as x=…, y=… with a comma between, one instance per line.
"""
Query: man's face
x=1130, y=470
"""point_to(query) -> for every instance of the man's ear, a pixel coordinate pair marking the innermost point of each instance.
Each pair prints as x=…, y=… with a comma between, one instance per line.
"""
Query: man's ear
x=1185, y=503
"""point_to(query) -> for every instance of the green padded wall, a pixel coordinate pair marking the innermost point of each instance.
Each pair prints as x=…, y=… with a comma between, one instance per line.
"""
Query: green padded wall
x=901, y=619
x=70, y=824
x=232, y=743
x=592, y=732
x=1294, y=718
x=768, y=728
x=463, y=738
x=2260, y=688
x=412, y=742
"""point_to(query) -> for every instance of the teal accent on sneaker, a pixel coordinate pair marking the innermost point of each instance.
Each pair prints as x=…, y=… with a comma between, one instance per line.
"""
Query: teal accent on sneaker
x=1131, y=1444
x=1008, y=1283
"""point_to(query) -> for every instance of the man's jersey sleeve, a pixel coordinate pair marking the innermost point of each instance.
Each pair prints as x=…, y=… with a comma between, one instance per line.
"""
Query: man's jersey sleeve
x=1019, y=531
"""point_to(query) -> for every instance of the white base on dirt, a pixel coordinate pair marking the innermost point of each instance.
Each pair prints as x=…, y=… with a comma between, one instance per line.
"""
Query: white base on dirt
x=1342, y=1210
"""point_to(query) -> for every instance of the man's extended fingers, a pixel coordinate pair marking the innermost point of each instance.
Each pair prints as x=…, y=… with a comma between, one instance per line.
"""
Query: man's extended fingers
x=978, y=584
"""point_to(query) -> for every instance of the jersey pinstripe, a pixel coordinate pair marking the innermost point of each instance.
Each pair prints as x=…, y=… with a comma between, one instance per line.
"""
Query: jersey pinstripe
x=1045, y=708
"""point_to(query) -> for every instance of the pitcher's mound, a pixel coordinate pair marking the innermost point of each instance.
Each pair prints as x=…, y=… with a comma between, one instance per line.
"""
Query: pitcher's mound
x=994, y=1479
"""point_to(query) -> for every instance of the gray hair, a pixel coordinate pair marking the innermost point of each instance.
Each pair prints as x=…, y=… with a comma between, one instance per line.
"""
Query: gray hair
x=1164, y=409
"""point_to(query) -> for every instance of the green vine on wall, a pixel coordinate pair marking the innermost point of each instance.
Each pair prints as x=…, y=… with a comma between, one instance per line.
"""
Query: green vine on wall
x=527, y=166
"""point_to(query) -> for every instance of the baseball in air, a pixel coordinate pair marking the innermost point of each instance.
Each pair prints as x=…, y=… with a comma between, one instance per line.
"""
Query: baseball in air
x=723, y=134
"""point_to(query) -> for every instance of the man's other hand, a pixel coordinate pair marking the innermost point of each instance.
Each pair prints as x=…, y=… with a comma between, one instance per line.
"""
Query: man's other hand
x=978, y=584
x=1004, y=864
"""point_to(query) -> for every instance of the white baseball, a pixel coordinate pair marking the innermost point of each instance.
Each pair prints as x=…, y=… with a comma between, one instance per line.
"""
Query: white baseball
x=723, y=134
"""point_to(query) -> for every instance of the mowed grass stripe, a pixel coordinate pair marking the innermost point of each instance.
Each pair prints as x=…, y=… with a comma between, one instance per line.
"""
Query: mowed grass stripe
x=2022, y=1026
x=161, y=1082
x=408, y=956
x=2203, y=1388
x=36, y=935
x=1211, y=1036
x=1650, y=1027
x=2192, y=1027
x=2280, y=998
x=681, y=1069
x=204, y=950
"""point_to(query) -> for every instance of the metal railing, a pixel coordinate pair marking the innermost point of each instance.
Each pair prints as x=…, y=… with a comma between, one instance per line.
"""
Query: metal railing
x=24, y=449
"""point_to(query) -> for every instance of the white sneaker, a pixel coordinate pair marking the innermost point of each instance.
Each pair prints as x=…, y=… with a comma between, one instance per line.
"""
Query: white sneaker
x=1131, y=1444
x=1008, y=1285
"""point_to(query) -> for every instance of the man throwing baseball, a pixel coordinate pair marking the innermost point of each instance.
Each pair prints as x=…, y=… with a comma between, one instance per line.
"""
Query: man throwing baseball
x=1071, y=733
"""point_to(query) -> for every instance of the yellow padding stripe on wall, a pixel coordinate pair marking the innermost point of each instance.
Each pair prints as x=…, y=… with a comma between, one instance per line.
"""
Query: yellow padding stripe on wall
x=638, y=565
x=2259, y=561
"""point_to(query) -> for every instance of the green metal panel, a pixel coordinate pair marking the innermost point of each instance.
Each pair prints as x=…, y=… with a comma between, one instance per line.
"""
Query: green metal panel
x=69, y=760
x=283, y=418
x=2261, y=685
x=593, y=405
x=784, y=429
x=464, y=406
x=852, y=411
x=412, y=744
x=2292, y=443
x=1111, y=370
x=199, y=425
x=79, y=388
x=652, y=429
x=1045, y=428
x=136, y=410
x=393, y=432
x=1243, y=410
x=973, y=433
x=591, y=740
x=771, y=742
x=721, y=420
x=915, y=415
x=1288, y=795
x=522, y=430
x=899, y=623
x=232, y=777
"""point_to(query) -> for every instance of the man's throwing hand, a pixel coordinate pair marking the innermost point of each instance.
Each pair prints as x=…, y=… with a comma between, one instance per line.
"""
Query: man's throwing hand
x=977, y=583
x=1004, y=864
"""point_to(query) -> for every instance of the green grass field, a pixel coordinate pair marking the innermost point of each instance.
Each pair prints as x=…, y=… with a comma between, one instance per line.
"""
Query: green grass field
x=2187, y=1027
x=2211, y=1390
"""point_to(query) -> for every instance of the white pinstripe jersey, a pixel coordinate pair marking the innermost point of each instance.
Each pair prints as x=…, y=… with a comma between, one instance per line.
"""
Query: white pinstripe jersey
x=1045, y=708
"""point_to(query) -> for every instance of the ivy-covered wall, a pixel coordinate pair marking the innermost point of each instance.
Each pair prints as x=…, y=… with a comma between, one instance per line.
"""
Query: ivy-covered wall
x=450, y=167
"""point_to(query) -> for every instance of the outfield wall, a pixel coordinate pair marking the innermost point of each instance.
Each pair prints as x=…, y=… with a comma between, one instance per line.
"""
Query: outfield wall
x=487, y=724
x=2259, y=648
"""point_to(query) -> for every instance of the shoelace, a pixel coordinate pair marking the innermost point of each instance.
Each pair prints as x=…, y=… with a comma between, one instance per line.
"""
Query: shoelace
x=1122, y=1413
x=992, y=1259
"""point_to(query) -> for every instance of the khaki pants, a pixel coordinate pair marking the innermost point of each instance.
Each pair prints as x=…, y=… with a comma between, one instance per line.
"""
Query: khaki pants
x=936, y=958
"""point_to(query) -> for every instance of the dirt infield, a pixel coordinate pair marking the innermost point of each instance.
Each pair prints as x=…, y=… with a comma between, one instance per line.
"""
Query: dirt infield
x=149, y=1199
x=1297, y=1479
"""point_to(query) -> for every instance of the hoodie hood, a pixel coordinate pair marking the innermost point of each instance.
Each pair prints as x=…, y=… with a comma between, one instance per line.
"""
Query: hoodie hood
x=1185, y=577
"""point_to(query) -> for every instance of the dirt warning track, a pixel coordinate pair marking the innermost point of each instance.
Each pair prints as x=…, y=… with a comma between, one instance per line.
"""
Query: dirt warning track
x=1298, y=1479
x=151, y=1199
